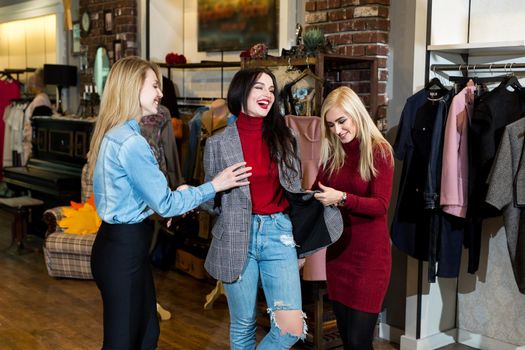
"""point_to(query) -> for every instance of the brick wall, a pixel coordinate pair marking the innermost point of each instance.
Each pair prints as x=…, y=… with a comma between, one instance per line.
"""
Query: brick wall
x=124, y=28
x=356, y=28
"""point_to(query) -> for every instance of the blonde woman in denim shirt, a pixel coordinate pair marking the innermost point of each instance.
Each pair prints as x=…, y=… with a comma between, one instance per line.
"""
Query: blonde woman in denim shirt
x=128, y=187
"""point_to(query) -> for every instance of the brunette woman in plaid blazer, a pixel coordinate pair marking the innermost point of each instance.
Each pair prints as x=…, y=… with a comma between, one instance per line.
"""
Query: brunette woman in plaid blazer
x=252, y=238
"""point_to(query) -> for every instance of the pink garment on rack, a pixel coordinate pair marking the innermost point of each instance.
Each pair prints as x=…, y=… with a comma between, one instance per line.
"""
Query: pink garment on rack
x=9, y=89
x=308, y=132
x=454, y=174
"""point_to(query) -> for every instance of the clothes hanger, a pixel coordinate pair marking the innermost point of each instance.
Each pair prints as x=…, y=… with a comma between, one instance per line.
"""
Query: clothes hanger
x=310, y=73
x=307, y=72
x=436, y=89
x=435, y=85
x=6, y=76
x=511, y=82
x=290, y=67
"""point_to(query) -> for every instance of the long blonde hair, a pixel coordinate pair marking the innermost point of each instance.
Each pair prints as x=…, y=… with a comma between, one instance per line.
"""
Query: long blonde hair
x=371, y=139
x=120, y=100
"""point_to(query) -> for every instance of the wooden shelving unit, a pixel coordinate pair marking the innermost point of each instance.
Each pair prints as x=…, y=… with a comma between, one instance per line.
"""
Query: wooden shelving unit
x=329, y=67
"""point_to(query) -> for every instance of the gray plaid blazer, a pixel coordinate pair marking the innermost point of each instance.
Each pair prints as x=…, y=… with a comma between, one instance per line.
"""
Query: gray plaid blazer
x=231, y=233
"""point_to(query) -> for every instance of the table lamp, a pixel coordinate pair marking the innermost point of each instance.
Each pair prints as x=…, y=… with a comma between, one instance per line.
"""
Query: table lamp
x=62, y=76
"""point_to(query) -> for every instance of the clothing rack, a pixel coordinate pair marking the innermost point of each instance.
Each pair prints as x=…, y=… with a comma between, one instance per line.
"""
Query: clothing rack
x=481, y=73
x=9, y=71
x=195, y=101
x=419, y=330
x=507, y=67
x=483, y=66
x=21, y=100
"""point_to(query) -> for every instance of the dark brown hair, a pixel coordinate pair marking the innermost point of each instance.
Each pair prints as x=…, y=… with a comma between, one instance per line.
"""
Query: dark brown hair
x=278, y=137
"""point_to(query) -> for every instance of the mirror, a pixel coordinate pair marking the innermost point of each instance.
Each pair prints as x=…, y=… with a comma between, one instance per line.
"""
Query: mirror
x=100, y=69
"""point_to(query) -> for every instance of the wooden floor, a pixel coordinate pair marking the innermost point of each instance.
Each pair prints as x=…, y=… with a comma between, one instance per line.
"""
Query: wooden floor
x=40, y=312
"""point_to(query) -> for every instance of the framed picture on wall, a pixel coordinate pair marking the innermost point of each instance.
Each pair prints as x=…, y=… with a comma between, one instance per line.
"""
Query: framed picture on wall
x=108, y=21
x=118, y=50
x=75, y=39
x=232, y=25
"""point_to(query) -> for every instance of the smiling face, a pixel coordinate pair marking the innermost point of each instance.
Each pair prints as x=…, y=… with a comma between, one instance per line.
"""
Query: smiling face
x=150, y=94
x=261, y=97
x=339, y=123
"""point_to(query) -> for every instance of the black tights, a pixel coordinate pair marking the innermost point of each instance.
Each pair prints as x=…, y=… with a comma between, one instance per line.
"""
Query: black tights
x=355, y=327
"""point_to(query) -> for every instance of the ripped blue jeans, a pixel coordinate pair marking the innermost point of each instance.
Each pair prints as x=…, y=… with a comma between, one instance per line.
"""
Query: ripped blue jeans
x=272, y=256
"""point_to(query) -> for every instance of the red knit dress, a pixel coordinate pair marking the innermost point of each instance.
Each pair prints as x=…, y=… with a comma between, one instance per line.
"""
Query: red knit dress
x=358, y=265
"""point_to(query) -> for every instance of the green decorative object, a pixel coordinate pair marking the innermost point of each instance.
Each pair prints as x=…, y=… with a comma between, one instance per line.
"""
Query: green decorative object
x=313, y=38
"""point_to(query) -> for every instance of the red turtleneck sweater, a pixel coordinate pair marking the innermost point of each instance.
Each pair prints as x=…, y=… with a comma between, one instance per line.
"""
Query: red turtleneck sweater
x=358, y=264
x=265, y=188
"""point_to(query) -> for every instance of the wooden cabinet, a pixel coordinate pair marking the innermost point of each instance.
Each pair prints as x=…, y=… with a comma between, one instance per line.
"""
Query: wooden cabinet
x=64, y=140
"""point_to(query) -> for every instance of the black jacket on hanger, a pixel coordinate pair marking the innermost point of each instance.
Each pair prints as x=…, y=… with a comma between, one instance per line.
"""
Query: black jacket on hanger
x=493, y=111
x=169, y=98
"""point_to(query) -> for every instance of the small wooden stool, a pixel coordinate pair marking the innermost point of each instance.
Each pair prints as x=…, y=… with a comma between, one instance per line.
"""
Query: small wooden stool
x=19, y=207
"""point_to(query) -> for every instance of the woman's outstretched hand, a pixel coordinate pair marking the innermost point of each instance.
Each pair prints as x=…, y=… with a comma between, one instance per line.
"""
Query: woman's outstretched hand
x=233, y=176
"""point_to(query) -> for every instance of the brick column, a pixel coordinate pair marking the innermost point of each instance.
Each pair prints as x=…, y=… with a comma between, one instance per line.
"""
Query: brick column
x=356, y=28
x=124, y=28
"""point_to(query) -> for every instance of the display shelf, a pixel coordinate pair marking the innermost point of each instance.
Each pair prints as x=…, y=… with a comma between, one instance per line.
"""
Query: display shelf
x=481, y=49
x=203, y=64
x=329, y=67
x=271, y=61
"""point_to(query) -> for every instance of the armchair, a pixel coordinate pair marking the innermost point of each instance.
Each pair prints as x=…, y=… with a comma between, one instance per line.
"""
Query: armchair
x=68, y=255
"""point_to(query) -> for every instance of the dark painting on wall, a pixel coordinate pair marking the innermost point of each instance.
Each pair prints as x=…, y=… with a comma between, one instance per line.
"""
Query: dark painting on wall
x=234, y=25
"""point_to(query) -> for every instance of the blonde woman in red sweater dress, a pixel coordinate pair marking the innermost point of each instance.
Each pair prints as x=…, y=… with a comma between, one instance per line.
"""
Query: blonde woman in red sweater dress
x=356, y=175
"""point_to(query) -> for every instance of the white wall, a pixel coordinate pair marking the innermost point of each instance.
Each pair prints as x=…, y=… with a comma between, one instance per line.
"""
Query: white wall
x=490, y=21
x=489, y=302
x=28, y=42
x=37, y=8
x=449, y=22
x=493, y=21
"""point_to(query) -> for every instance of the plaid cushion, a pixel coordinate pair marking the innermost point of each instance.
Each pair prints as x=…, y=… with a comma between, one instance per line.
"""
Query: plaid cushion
x=68, y=265
x=70, y=243
x=68, y=255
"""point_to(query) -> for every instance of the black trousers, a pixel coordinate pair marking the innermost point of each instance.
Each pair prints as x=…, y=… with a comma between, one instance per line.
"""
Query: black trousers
x=122, y=272
x=355, y=327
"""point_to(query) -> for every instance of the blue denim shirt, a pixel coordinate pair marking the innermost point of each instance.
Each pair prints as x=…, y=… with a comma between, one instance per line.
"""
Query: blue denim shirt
x=128, y=184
